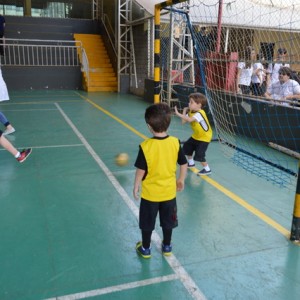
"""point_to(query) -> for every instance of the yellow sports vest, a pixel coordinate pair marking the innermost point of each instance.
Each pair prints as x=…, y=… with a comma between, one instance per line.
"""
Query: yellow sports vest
x=199, y=133
x=161, y=156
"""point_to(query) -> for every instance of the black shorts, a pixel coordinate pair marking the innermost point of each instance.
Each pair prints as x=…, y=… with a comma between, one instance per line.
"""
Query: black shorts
x=167, y=214
x=1, y=132
x=199, y=147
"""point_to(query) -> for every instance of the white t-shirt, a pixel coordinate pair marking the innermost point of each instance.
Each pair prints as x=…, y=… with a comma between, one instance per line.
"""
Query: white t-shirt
x=245, y=74
x=257, y=78
x=280, y=90
x=274, y=71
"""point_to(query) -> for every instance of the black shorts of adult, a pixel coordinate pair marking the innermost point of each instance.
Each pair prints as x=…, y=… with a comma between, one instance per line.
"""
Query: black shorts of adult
x=198, y=147
x=1, y=133
x=245, y=89
x=257, y=89
x=167, y=214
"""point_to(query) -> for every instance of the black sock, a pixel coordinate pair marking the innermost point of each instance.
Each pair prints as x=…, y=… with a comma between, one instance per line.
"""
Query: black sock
x=146, y=238
x=167, y=233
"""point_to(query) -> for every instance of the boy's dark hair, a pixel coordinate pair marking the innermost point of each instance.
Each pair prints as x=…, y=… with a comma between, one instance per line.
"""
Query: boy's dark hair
x=158, y=116
x=285, y=71
x=199, y=98
x=289, y=72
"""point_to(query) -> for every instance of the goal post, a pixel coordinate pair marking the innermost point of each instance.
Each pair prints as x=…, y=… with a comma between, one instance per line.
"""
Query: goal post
x=157, y=11
x=252, y=124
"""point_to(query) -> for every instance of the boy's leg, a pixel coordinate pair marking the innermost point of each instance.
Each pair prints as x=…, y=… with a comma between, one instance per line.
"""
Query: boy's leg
x=167, y=236
x=168, y=221
x=146, y=238
x=188, y=149
x=147, y=217
x=200, y=156
x=143, y=247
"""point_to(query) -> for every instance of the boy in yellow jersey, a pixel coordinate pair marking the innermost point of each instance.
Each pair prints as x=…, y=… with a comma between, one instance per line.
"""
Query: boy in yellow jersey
x=202, y=131
x=156, y=165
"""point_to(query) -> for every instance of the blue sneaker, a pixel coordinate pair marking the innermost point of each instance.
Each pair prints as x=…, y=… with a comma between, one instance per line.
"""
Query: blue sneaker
x=204, y=172
x=166, y=249
x=145, y=253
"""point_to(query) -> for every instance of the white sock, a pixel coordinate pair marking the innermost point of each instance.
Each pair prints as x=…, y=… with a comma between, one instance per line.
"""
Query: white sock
x=17, y=155
x=207, y=168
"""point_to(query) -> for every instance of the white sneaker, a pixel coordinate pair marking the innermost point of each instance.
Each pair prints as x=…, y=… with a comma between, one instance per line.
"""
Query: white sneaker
x=9, y=131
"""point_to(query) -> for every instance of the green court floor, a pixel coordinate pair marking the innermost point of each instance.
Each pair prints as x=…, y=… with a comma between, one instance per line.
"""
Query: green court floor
x=69, y=224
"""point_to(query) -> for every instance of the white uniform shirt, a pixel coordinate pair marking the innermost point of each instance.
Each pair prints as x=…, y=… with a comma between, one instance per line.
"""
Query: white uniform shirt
x=280, y=90
x=259, y=77
x=200, y=120
x=245, y=75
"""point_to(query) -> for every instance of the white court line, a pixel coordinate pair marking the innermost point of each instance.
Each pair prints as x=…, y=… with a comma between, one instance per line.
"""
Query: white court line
x=116, y=288
x=51, y=146
x=31, y=109
x=178, y=269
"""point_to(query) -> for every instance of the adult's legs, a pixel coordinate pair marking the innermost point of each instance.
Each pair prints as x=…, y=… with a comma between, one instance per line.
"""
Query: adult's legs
x=9, y=129
x=20, y=156
x=3, y=119
x=5, y=143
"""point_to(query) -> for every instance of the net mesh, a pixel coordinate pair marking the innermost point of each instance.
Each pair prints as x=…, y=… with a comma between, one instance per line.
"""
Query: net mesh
x=214, y=50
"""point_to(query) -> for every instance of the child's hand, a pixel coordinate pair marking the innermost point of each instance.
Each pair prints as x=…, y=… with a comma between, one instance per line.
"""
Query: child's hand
x=176, y=110
x=180, y=185
x=136, y=193
x=185, y=110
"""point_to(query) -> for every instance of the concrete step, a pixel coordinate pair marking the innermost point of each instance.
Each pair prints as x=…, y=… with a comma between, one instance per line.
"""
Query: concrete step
x=101, y=74
x=102, y=89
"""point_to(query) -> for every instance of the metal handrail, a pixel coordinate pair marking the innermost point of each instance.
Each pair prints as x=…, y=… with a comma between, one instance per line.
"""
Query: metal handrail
x=33, y=52
x=85, y=65
x=110, y=32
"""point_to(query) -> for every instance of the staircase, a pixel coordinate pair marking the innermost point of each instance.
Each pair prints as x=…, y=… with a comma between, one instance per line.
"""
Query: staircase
x=102, y=77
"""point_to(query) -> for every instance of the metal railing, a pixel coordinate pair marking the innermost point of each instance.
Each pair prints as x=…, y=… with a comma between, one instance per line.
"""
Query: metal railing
x=45, y=53
x=110, y=33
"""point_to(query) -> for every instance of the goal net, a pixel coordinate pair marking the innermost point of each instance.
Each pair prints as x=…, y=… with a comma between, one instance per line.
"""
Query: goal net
x=244, y=56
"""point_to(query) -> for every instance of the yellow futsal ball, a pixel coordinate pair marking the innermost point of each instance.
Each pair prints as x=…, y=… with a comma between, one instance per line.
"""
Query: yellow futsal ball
x=122, y=159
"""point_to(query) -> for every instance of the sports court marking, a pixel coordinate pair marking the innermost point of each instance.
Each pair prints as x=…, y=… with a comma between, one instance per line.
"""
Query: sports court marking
x=117, y=288
x=180, y=272
x=39, y=103
x=215, y=184
x=51, y=146
x=246, y=205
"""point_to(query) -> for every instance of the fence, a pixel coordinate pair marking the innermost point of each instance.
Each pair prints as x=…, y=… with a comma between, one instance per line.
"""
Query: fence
x=45, y=53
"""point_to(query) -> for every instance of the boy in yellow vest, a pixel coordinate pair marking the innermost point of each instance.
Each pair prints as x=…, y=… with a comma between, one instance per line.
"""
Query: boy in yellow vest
x=202, y=131
x=156, y=166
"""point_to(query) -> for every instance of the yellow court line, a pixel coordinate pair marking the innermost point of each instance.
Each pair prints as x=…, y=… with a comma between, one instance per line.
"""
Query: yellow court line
x=114, y=117
x=246, y=205
x=219, y=187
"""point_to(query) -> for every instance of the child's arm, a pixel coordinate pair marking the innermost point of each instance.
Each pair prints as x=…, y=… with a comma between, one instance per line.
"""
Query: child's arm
x=181, y=178
x=139, y=174
x=183, y=116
